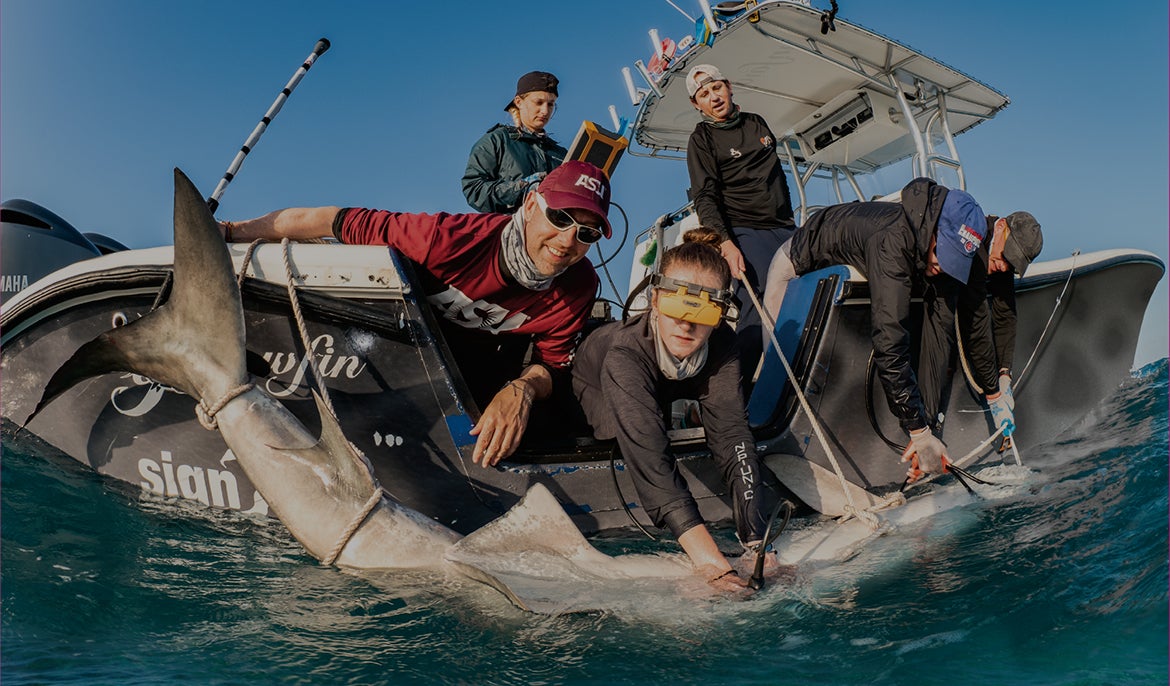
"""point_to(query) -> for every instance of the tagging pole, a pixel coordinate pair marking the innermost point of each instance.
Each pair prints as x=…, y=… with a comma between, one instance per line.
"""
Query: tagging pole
x=234, y=167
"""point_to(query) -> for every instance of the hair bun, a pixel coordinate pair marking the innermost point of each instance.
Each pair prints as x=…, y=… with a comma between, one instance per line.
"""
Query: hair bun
x=703, y=236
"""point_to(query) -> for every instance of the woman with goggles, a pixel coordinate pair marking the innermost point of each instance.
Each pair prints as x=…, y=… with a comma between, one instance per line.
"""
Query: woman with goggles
x=627, y=374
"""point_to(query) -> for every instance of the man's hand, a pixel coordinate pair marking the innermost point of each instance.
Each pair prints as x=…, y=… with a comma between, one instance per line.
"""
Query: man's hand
x=926, y=455
x=734, y=258
x=502, y=425
x=1002, y=416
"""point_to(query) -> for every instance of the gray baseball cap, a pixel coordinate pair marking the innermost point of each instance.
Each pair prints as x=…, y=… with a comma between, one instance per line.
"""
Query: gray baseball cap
x=1024, y=242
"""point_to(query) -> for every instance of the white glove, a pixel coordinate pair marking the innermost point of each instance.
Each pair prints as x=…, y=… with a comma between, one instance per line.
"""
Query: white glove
x=1001, y=413
x=1005, y=388
x=926, y=454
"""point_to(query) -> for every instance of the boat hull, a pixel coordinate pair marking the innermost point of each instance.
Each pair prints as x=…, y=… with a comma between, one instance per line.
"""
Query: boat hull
x=402, y=402
x=1078, y=325
x=397, y=395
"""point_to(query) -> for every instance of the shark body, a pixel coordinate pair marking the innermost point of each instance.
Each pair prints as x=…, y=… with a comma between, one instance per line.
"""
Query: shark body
x=321, y=488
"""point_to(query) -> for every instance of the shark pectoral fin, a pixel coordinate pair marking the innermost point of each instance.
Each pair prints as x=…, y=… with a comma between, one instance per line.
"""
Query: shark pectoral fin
x=817, y=487
x=349, y=467
x=537, y=557
x=537, y=522
x=500, y=584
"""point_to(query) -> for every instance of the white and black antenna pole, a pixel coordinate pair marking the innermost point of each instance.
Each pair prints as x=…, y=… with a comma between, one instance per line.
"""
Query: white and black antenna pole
x=234, y=167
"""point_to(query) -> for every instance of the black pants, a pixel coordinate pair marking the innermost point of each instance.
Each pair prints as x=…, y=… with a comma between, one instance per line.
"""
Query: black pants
x=758, y=246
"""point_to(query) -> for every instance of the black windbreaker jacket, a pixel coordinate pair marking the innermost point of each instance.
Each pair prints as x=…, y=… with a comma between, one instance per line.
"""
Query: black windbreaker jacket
x=625, y=396
x=888, y=243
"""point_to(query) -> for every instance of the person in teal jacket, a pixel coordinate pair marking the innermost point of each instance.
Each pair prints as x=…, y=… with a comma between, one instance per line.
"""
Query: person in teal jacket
x=507, y=160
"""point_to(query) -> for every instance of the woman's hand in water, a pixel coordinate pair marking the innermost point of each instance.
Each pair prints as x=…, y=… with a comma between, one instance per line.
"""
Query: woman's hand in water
x=731, y=583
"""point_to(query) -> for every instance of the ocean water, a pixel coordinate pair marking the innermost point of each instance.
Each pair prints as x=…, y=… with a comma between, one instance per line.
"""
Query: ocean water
x=1060, y=580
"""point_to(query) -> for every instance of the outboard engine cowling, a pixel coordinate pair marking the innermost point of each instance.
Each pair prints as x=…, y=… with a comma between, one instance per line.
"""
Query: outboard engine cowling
x=104, y=243
x=35, y=242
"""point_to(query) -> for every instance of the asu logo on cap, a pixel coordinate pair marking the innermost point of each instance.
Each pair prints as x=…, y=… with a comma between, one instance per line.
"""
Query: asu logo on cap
x=579, y=185
x=592, y=183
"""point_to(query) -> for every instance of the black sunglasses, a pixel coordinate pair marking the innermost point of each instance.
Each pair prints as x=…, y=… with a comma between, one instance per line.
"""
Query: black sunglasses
x=563, y=221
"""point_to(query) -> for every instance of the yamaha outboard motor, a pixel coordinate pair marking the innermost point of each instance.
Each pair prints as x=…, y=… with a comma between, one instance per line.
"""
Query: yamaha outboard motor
x=35, y=242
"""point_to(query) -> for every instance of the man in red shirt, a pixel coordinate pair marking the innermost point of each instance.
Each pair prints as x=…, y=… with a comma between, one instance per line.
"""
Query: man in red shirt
x=496, y=281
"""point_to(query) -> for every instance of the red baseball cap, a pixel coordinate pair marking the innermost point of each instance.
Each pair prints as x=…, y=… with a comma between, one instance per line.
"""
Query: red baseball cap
x=580, y=186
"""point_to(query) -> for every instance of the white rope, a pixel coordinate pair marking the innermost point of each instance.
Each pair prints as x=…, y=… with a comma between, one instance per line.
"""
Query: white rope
x=1055, y=307
x=350, y=530
x=302, y=329
x=206, y=414
x=963, y=361
x=248, y=261
x=851, y=509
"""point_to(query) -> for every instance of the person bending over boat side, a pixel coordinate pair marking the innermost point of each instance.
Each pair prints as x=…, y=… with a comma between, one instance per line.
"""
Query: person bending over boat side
x=508, y=160
x=988, y=329
x=739, y=190
x=626, y=375
x=932, y=235
x=496, y=281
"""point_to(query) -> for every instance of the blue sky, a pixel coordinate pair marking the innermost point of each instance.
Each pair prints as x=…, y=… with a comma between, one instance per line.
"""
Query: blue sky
x=99, y=99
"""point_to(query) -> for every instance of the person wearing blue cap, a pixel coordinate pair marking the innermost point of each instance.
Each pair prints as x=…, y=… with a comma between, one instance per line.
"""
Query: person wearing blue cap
x=986, y=314
x=931, y=237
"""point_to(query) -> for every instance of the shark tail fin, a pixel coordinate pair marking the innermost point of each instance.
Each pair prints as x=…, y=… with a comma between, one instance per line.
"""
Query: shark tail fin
x=195, y=341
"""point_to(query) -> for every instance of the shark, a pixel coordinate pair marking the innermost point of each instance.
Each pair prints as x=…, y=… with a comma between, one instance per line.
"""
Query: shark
x=321, y=487
x=325, y=492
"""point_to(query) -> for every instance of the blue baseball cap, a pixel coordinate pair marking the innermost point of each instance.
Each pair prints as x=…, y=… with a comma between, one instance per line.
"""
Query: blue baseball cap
x=961, y=228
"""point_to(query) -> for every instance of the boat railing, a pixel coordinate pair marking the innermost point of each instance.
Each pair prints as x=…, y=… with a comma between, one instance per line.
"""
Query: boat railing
x=878, y=106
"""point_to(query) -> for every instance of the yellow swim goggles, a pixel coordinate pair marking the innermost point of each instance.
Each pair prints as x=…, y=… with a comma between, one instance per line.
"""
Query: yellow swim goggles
x=691, y=302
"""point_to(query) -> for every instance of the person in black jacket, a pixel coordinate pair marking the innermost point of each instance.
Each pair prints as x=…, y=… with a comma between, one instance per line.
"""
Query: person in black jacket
x=627, y=374
x=739, y=190
x=933, y=233
x=508, y=161
x=986, y=311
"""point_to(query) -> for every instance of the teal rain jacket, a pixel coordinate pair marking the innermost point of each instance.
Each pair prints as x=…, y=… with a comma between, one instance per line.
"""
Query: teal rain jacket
x=499, y=163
